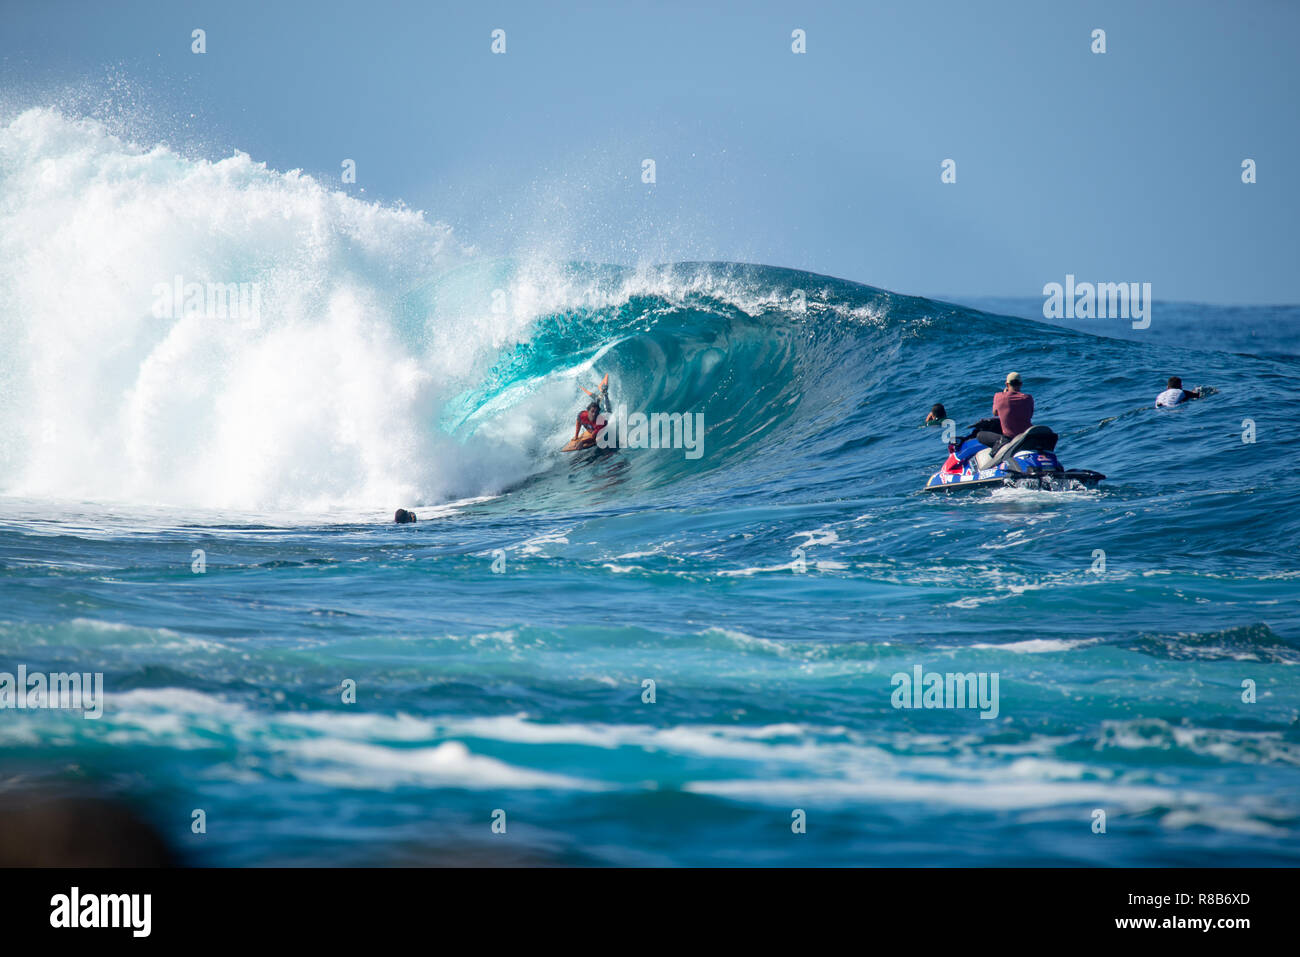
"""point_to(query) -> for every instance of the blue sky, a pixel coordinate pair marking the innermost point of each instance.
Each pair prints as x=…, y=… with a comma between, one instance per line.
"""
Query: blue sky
x=1123, y=166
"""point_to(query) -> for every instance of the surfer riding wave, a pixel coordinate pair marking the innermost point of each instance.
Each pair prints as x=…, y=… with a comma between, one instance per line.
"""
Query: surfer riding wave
x=591, y=419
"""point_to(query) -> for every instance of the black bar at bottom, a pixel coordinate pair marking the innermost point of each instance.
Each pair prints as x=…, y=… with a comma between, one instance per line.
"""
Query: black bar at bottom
x=327, y=907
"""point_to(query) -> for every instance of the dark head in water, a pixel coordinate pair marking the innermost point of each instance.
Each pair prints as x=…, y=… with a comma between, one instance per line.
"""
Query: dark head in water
x=403, y=516
x=937, y=414
x=1174, y=382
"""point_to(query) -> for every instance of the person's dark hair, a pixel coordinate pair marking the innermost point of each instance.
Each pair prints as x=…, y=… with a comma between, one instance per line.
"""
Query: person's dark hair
x=593, y=406
x=939, y=411
x=1175, y=382
x=402, y=516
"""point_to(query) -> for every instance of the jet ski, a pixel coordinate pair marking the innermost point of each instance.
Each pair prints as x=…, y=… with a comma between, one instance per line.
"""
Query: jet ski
x=1026, y=461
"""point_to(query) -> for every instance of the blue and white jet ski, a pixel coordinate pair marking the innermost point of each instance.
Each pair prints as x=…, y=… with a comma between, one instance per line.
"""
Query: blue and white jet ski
x=1026, y=461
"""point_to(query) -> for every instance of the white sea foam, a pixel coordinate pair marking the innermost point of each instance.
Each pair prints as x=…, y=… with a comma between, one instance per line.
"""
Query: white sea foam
x=1009, y=795
x=1039, y=646
x=449, y=765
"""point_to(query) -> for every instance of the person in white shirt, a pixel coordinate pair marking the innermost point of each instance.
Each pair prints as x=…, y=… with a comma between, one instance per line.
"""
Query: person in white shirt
x=1175, y=394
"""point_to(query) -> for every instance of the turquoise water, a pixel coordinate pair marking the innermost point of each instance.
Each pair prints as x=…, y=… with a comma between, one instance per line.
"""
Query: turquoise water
x=769, y=590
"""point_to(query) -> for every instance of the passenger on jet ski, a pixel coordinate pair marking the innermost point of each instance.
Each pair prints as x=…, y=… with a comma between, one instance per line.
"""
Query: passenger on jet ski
x=1175, y=394
x=1014, y=411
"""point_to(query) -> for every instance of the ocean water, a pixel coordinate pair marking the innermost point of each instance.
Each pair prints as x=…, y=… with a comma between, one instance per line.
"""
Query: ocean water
x=200, y=508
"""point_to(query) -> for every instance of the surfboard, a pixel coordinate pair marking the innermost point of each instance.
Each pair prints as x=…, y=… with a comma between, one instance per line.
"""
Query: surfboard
x=584, y=441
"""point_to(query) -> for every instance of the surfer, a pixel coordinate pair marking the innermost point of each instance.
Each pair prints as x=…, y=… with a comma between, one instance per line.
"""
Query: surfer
x=592, y=418
x=1175, y=394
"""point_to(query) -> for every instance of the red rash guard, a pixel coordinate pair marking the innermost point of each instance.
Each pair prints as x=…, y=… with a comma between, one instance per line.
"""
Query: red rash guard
x=1015, y=410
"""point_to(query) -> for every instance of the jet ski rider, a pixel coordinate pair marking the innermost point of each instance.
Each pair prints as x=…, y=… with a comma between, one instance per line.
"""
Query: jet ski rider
x=1014, y=411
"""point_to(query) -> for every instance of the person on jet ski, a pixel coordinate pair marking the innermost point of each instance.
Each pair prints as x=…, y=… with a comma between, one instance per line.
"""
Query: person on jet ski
x=591, y=418
x=1175, y=394
x=1014, y=409
x=1013, y=412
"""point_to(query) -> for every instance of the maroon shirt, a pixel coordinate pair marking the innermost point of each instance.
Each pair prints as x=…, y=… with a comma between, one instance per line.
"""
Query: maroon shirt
x=1015, y=410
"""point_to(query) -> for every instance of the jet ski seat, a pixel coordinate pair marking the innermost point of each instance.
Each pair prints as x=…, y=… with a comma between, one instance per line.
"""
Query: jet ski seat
x=1037, y=438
